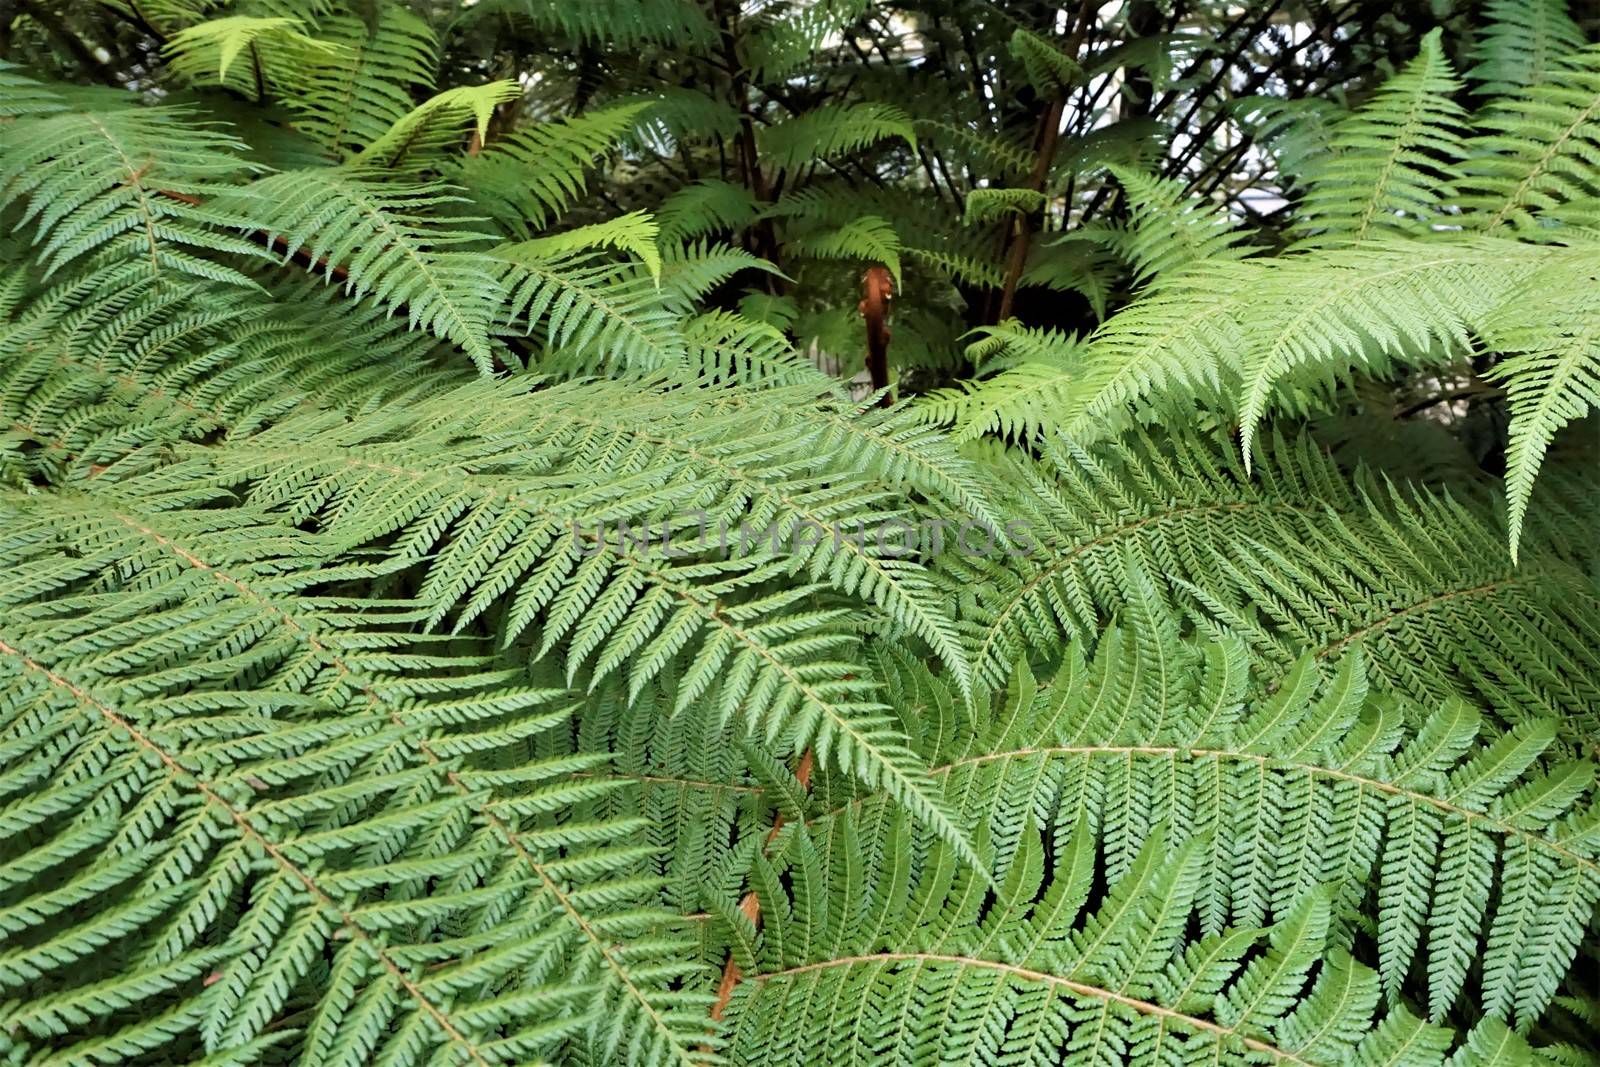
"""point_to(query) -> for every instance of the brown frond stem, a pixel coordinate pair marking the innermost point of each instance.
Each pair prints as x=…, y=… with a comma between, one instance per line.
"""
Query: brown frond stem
x=751, y=904
x=877, y=288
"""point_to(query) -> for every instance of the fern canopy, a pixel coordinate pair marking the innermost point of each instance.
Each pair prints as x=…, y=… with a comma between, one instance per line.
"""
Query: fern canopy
x=672, y=532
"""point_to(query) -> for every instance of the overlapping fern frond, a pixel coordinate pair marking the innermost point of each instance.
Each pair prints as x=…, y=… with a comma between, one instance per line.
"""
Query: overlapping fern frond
x=1294, y=556
x=453, y=612
x=1136, y=771
x=133, y=180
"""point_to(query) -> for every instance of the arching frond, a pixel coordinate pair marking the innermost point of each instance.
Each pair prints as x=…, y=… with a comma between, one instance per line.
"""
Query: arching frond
x=379, y=238
x=349, y=97
x=825, y=132
x=437, y=124
x=132, y=180
x=1392, y=157
x=527, y=178
x=1537, y=148
x=1294, y=557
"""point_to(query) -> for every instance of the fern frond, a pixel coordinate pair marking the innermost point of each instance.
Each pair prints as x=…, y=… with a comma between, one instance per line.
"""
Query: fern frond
x=592, y=310
x=988, y=205
x=132, y=180
x=1536, y=148
x=832, y=130
x=1274, y=801
x=1549, y=332
x=1262, y=556
x=868, y=238
x=1049, y=69
x=527, y=178
x=617, y=23
x=1168, y=229
x=22, y=95
x=207, y=49
x=382, y=780
x=1522, y=41
x=381, y=237
x=1042, y=974
x=635, y=232
x=1300, y=133
x=1392, y=157
x=349, y=98
x=706, y=207
x=437, y=123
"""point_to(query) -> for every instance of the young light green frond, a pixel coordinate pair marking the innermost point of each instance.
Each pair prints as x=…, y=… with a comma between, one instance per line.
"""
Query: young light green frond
x=380, y=239
x=592, y=311
x=830, y=131
x=1036, y=369
x=869, y=238
x=1523, y=40
x=208, y=49
x=1550, y=334
x=348, y=93
x=1392, y=157
x=635, y=232
x=1258, y=333
x=1050, y=70
x=1168, y=229
x=1300, y=133
x=988, y=205
x=438, y=124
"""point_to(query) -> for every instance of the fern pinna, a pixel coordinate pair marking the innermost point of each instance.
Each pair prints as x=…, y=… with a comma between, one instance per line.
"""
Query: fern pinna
x=456, y=609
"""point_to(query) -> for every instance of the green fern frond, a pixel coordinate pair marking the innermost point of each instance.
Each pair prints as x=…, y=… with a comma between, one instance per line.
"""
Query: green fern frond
x=706, y=207
x=591, y=310
x=436, y=124
x=350, y=97
x=988, y=205
x=1392, y=157
x=1042, y=973
x=1549, y=332
x=382, y=239
x=1259, y=556
x=133, y=181
x=1168, y=229
x=1536, y=148
x=207, y=49
x=635, y=232
x=528, y=177
x=1049, y=69
x=1522, y=41
x=1155, y=745
x=22, y=95
x=868, y=238
x=1300, y=133
x=830, y=131
x=313, y=808
x=619, y=23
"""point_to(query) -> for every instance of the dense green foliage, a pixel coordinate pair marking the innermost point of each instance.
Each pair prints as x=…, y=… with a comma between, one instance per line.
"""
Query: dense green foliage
x=459, y=603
